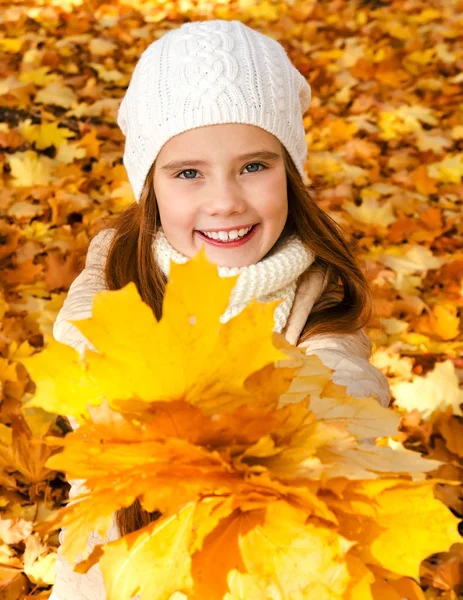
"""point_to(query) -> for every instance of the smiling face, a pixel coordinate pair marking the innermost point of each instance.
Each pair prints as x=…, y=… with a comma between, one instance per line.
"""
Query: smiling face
x=217, y=182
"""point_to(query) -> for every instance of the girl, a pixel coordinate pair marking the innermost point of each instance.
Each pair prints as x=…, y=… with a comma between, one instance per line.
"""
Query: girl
x=215, y=151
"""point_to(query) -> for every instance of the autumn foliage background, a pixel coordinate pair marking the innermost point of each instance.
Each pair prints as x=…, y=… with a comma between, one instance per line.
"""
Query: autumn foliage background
x=385, y=139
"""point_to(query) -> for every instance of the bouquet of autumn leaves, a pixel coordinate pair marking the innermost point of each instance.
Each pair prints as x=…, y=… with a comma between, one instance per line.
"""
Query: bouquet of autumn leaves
x=266, y=473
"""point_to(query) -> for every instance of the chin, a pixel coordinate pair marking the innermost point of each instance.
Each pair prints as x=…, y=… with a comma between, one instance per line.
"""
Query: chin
x=232, y=261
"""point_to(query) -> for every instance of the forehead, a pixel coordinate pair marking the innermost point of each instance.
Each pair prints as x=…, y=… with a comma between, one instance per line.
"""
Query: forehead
x=228, y=138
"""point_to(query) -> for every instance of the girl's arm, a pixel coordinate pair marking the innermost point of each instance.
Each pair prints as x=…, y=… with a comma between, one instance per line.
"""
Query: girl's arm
x=78, y=305
x=78, y=302
x=348, y=355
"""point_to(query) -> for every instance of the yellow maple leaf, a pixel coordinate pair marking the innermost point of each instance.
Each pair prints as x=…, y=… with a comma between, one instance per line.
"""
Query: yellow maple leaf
x=448, y=170
x=41, y=76
x=19, y=454
x=7, y=370
x=340, y=130
x=91, y=144
x=386, y=586
x=437, y=143
x=367, y=461
x=437, y=390
x=405, y=119
x=399, y=30
x=189, y=329
x=4, y=306
x=421, y=57
x=372, y=212
x=297, y=556
x=361, y=579
x=45, y=134
x=122, y=196
x=416, y=259
x=425, y=16
x=167, y=543
x=443, y=322
x=101, y=46
x=58, y=94
x=12, y=45
x=264, y=9
x=218, y=556
x=68, y=153
x=457, y=132
x=39, y=563
x=28, y=169
x=385, y=527
x=54, y=393
x=109, y=75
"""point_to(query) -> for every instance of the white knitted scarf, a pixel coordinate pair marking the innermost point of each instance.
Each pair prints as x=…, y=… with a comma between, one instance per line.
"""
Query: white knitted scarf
x=272, y=278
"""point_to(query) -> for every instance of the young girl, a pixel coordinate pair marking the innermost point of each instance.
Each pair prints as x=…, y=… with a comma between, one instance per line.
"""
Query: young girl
x=215, y=151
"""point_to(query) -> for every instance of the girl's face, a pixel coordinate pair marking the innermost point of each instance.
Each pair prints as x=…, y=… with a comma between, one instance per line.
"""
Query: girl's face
x=213, y=183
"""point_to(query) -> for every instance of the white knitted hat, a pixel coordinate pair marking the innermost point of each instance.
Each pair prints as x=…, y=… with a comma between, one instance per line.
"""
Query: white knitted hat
x=208, y=73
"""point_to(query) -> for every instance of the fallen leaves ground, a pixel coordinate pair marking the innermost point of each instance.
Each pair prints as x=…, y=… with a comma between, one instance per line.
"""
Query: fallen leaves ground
x=384, y=132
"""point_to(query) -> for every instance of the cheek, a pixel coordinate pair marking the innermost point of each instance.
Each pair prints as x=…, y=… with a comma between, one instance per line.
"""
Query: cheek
x=174, y=208
x=276, y=184
x=276, y=205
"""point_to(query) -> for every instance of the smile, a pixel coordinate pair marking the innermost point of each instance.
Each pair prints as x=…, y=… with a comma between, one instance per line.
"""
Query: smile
x=229, y=239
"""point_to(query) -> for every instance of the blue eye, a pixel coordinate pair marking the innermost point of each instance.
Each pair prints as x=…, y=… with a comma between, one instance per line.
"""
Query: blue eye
x=195, y=170
x=256, y=163
x=186, y=171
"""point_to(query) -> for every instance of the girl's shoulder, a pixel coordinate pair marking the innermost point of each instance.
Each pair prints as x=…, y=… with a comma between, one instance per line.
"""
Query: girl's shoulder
x=103, y=238
x=99, y=245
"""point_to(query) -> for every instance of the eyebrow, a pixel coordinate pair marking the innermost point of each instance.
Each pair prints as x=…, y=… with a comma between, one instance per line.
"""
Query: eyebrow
x=262, y=154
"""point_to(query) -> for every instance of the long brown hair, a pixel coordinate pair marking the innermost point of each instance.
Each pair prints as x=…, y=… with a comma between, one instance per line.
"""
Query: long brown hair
x=344, y=307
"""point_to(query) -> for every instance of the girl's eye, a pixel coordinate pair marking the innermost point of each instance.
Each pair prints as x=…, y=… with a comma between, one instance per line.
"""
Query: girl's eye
x=186, y=171
x=253, y=164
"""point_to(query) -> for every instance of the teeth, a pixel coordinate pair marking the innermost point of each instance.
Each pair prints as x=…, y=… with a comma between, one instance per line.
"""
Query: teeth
x=227, y=236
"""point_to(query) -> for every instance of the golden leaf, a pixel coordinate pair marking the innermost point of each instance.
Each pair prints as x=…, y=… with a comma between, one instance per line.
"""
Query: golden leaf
x=437, y=390
x=45, y=135
x=189, y=328
x=58, y=373
x=28, y=168
x=58, y=94
x=278, y=546
x=383, y=523
x=165, y=567
x=363, y=417
x=21, y=455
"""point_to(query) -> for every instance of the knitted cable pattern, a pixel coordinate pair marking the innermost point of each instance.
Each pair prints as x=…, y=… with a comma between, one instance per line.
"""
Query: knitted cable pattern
x=207, y=69
x=272, y=278
x=207, y=64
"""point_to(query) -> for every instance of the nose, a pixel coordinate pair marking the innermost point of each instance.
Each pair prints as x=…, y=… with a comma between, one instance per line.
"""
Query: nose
x=224, y=198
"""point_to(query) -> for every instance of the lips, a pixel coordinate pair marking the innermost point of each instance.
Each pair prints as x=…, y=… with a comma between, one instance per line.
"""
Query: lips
x=223, y=236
